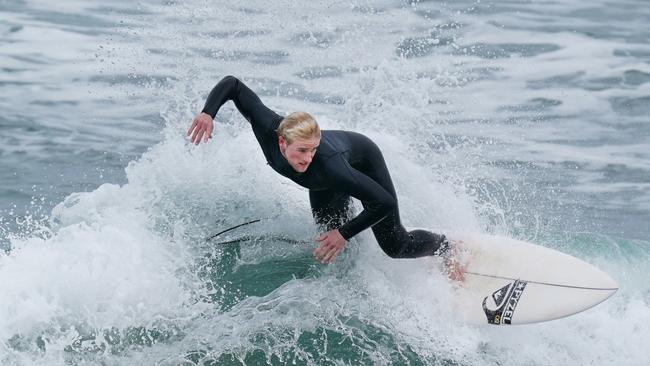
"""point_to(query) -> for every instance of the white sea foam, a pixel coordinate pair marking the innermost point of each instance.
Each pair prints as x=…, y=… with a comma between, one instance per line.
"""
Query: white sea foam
x=131, y=255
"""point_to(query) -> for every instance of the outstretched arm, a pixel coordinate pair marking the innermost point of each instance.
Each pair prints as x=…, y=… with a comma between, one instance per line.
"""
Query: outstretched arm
x=246, y=101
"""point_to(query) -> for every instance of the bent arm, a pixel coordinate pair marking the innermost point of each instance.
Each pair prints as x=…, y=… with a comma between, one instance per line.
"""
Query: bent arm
x=377, y=201
x=246, y=101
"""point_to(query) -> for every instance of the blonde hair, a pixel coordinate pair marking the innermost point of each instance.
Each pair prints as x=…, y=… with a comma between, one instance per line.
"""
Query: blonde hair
x=298, y=126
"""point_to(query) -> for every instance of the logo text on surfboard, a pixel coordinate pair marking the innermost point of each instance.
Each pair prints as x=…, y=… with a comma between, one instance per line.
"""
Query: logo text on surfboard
x=500, y=307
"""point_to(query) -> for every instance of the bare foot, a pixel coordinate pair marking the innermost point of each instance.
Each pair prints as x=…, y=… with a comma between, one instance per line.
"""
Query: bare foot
x=455, y=261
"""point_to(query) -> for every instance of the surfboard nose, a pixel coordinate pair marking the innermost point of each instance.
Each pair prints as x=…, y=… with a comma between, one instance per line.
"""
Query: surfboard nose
x=582, y=274
x=605, y=280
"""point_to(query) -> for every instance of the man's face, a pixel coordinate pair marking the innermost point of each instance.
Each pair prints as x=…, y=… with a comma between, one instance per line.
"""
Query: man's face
x=299, y=153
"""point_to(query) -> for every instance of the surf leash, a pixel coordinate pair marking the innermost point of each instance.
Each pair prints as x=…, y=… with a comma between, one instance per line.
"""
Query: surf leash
x=280, y=238
x=253, y=237
x=232, y=228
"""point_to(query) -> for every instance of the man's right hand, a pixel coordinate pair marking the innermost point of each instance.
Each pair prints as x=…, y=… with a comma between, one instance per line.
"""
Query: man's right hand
x=202, y=127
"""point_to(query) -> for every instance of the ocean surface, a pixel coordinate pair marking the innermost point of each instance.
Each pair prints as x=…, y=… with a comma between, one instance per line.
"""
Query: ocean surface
x=528, y=119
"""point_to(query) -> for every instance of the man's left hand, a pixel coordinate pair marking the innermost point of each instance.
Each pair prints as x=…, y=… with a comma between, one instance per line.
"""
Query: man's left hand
x=331, y=245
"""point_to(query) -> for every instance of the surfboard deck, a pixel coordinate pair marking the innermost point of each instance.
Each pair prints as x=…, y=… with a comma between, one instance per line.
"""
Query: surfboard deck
x=508, y=281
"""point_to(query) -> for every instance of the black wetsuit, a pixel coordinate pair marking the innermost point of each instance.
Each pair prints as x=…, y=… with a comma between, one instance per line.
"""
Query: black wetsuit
x=346, y=164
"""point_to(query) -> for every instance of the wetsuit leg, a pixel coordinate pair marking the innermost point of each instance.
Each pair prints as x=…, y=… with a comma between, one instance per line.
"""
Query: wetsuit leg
x=396, y=242
x=330, y=208
x=391, y=235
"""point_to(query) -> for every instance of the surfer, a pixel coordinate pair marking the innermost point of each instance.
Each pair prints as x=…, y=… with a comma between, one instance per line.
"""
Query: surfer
x=334, y=165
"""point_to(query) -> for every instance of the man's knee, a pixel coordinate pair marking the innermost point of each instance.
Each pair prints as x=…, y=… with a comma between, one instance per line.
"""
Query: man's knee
x=394, y=251
x=393, y=245
x=331, y=219
x=416, y=243
x=329, y=222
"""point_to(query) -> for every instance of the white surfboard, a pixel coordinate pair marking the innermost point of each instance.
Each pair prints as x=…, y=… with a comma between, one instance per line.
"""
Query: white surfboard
x=509, y=281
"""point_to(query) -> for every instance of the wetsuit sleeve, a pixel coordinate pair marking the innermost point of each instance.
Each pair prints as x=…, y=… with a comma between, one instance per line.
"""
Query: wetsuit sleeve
x=246, y=101
x=377, y=201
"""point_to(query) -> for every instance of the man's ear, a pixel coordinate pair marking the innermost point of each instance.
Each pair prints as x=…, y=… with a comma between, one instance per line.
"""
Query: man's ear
x=283, y=142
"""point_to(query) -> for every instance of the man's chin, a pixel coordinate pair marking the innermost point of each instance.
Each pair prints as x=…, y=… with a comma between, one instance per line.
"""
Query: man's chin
x=301, y=168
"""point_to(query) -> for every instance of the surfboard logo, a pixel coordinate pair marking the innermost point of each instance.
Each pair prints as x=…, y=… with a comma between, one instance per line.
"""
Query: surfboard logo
x=500, y=306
